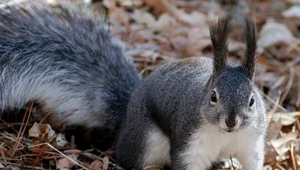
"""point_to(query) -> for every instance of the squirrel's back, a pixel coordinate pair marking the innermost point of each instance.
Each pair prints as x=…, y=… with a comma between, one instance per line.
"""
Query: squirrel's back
x=65, y=59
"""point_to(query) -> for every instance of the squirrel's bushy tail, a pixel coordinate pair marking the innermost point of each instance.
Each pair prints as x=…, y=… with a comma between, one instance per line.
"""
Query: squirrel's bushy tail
x=65, y=59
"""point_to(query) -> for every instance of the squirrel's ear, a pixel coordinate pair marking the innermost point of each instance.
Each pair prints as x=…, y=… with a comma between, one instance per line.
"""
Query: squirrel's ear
x=218, y=35
x=249, y=62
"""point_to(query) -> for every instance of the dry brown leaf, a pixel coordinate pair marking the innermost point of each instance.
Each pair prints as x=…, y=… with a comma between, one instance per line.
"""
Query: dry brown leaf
x=197, y=33
x=267, y=167
x=10, y=167
x=61, y=140
x=96, y=165
x=35, y=131
x=274, y=129
x=293, y=11
x=286, y=119
x=298, y=159
x=44, y=133
x=158, y=5
x=65, y=163
x=42, y=130
x=164, y=22
x=115, y=20
x=105, y=163
x=297, y=146
x=282, y=145
x=274, y=33
x=285, y=139
x=130, y=3
x=193, y=19
x=194, y=48
x=270, y=155
x=143, y=17
x=179, y=43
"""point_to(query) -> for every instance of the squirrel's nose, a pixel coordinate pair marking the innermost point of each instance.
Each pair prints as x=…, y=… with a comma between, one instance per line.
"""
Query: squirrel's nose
x=230, y=123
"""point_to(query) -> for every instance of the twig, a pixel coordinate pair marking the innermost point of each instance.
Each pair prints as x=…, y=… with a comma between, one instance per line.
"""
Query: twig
x=39, y=155
x=100, y=158
x=105, y=152
x=293, y=156
x=23, y=127
x=3, y=154
x=23, y=166
x=273, y=102
x=52, y=147
x=270, y=115
x=288, y=86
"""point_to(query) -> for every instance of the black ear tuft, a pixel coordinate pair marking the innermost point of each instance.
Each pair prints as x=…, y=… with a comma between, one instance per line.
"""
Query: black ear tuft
x=218, y=35
x=249, y=62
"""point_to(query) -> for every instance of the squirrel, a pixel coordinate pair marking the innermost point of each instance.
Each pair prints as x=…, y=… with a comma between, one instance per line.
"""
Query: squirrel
x=64, y=58
x=191, y=112
x=187, y=114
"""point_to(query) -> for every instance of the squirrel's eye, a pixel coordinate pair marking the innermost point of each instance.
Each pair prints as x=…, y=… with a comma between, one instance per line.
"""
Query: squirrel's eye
x=213, y=97
x=251, y=102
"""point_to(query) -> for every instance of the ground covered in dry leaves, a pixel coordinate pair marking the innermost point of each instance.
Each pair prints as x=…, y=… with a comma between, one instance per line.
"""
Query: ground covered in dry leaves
x=158, y=31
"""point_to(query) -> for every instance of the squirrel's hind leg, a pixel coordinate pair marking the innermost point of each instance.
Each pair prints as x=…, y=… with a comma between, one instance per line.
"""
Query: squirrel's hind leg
x=142, y=144
x=144, y=147
x=157, y=151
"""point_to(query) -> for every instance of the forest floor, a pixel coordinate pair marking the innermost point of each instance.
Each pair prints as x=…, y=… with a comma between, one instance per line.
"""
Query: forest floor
x=158, y=31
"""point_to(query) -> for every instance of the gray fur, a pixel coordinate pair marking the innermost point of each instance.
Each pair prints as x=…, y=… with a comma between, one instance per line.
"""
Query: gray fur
x=176, y=99
x=66, y=60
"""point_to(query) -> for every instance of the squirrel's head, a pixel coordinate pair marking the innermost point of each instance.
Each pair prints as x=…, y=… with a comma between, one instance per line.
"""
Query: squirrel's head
x=232, y=99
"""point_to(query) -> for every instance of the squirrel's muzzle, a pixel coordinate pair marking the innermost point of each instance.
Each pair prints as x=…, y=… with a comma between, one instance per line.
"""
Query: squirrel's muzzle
x=231, y=123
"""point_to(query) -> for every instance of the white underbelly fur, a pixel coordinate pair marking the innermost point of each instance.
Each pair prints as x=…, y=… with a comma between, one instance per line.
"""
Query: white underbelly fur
x=209, y=143
x=206, y=145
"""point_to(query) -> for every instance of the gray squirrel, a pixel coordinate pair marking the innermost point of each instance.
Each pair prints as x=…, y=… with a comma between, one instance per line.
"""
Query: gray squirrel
x=192, y=112
x=64, y=59
x=186, y=114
